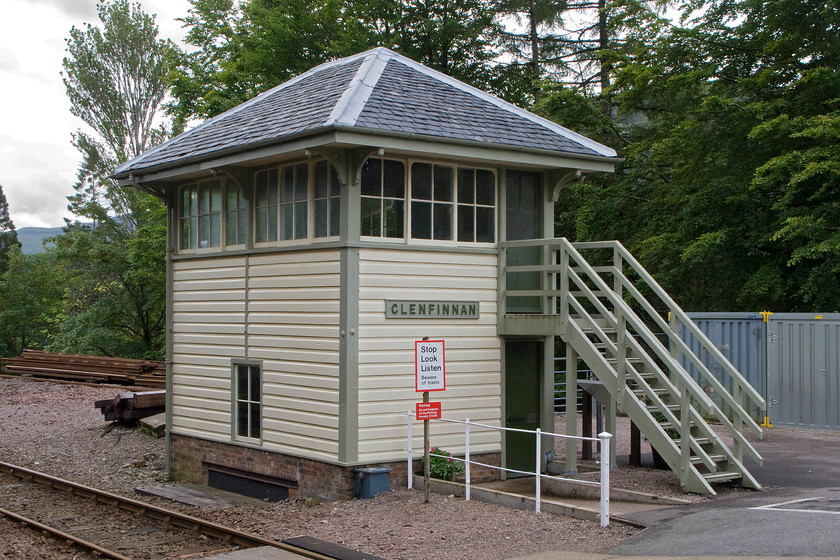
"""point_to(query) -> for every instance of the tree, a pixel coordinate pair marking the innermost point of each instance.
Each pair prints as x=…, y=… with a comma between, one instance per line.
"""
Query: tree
x=8, y=234
x=246, y=48
x=115, y=76
x=728, y=130
x=33, y=301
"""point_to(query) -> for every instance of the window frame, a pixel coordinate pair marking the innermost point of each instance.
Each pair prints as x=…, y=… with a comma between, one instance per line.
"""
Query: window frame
x=456, y=168
x=195, y=218
x=251, y=365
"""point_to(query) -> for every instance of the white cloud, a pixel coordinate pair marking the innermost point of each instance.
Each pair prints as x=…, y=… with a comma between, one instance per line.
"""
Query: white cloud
x=37, y=161
x=76, y=9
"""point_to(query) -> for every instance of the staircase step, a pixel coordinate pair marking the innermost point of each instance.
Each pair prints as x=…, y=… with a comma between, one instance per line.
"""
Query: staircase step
x=721, y=476
x=700, y=440
x=715, y=458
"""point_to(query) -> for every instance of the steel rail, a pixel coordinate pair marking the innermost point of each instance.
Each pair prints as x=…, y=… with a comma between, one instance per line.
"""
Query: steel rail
x=182, y=520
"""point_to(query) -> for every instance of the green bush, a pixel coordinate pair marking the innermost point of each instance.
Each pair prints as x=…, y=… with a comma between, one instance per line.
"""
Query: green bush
x=442, y=465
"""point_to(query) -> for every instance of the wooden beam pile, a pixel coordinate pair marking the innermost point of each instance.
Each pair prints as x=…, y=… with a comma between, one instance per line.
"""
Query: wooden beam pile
x=89, y=369
x=132, y=406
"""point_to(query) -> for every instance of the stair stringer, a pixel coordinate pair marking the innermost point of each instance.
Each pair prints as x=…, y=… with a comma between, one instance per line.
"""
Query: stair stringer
x=692, y=480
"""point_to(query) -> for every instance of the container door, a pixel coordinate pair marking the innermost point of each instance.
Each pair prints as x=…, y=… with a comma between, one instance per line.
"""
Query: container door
x=523, y=362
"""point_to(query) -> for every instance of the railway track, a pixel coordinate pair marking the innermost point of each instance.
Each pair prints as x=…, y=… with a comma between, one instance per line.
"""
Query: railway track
x=112, y=526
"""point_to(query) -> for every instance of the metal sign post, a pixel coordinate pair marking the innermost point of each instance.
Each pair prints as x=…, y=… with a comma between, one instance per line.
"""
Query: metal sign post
x=429, y=375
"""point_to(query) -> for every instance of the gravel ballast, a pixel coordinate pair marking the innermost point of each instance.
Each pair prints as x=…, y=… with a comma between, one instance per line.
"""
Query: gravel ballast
x=54, y=428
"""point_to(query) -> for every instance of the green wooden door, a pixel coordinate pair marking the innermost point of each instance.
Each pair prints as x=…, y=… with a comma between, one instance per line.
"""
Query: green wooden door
x=523, y=361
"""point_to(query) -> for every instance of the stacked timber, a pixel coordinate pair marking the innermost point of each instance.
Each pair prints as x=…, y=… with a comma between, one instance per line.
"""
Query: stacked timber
x=88, y=369
x=132, y=406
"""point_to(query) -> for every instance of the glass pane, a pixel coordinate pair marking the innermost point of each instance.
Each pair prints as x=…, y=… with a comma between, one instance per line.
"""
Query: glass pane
x=485, y=225
x=320, y=179
x=321, y=218
x=272, y=187
x=261, y=225
x=301, y=220
x=287, y=224
x=186, y=201
x=242, y=383
x=241, y=226
x=301, y=182
x=466, y=186
x=203, y=231
x=421, y=220
x=185, y=233
x=394, y=218
x=232, y=197
x=335, y=215
x=203, y=199
x=465, y=223
x=256, y=383
x=272, y=223
x=421, y=181
x=335, y=186
x=287, y=189
x=485, y=187
x=193, y=233
x=255, y=420
x=443, y=183
x=242, y=419
x=230, y=228
x=393, y=185
x=443, y=221
x=371, y=224
x=193, y=200
x=216, y=230
x=215, y=196
x=262, y=188
x=372, y=177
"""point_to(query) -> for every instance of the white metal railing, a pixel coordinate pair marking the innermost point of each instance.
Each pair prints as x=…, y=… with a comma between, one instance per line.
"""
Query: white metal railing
x=603, y=439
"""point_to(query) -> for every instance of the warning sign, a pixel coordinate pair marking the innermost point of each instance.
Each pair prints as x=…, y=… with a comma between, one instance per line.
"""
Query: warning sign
x=428, y=410
x=429, y=365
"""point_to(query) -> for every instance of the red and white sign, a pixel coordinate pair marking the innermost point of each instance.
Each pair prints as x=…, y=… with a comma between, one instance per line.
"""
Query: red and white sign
x=429, y=368
x=428, y=410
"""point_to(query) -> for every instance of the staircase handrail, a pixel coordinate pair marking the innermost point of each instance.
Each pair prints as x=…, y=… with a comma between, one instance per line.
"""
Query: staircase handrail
x=682, y=317
x=640, y=327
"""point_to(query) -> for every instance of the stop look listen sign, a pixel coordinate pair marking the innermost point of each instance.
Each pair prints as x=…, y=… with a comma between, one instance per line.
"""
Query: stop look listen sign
x=430, y=369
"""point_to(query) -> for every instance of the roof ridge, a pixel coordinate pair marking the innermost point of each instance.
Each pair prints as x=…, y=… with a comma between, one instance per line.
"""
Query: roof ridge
x=504, y=105
x=353, y=100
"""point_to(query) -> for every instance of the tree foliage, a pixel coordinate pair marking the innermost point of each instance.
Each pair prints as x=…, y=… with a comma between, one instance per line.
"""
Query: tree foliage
x=728, y=128
x=8, y=234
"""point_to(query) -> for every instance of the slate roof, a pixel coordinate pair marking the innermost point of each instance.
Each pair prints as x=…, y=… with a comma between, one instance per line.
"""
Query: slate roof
x=378, y=90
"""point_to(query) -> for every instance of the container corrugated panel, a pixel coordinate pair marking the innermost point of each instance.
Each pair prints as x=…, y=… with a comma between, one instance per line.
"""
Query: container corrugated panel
x=739, y=337
x=804, y=370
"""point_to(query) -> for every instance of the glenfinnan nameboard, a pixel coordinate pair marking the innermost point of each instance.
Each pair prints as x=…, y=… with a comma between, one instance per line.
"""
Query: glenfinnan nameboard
x=408, y=309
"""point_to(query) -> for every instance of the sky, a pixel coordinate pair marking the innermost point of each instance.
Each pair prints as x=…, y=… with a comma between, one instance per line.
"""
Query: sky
x=38, y=163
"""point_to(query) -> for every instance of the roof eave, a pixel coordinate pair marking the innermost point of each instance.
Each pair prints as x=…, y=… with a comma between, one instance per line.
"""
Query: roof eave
x=352, y=135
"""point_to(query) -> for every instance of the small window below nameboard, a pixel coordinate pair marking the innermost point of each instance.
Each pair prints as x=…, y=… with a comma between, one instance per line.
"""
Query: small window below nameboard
x=253, y=485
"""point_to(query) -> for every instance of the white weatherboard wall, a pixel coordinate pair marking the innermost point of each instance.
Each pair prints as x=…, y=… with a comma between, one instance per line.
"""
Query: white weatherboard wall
x=292, y=328
x=386, y=350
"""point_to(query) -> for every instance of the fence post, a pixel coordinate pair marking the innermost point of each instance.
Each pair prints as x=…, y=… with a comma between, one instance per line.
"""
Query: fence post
x=467, y=458
x=538, y=471
x=410, y=473
x=605, y=478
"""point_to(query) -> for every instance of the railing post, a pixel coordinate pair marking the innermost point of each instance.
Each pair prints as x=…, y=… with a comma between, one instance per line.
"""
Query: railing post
x=685, y=432
x=605, y=478
x=564, y=287
x=467, y=458
x=538, y=471
x=737, y=420
x=410, y=462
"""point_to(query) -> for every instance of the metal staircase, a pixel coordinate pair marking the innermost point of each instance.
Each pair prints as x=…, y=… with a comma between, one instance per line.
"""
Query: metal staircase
x=625, y=327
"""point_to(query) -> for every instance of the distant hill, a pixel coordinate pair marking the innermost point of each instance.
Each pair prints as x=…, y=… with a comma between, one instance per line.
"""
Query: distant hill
x=32, y=238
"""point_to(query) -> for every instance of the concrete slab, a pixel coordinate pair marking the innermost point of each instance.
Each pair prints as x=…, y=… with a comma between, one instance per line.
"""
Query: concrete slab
x=199, y=495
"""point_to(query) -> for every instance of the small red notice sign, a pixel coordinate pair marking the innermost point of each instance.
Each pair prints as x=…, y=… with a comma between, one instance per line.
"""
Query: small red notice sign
x=428, y=410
